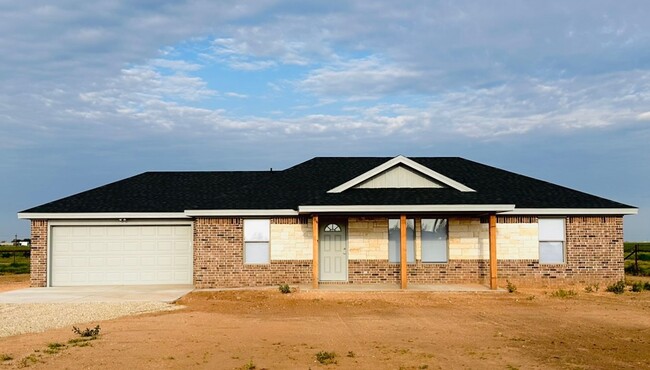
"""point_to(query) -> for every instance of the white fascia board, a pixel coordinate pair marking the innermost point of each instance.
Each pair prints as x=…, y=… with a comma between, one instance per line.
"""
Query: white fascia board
x=408, y=163
x=572, y=211
x=410, y=208
x=107, y=215
x=241, y=212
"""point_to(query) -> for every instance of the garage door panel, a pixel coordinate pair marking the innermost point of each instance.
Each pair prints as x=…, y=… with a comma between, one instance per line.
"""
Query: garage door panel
x=120, y=255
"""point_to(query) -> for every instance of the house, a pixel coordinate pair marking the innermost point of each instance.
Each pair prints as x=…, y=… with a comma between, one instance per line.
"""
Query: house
x=329, y=220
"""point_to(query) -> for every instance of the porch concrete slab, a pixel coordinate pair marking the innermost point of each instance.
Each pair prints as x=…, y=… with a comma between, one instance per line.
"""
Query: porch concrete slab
x=396, y=288
x=122, y=293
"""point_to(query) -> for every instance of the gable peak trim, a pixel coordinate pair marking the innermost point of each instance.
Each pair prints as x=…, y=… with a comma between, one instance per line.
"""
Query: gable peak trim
x=401, y=160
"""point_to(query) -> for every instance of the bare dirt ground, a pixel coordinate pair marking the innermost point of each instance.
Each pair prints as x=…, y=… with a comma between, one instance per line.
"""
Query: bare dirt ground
x=387, y=330
x=13, y=282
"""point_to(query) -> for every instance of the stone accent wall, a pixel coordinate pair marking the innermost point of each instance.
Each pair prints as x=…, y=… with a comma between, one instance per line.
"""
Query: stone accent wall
x=38, y=259
x=517, y=241
x=594, y=254
x=219, y=259
x=291, y=240
x=468, y=239
x=367, y=238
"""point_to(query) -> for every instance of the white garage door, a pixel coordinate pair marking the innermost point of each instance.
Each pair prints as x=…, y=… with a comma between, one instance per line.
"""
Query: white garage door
x=120, y=255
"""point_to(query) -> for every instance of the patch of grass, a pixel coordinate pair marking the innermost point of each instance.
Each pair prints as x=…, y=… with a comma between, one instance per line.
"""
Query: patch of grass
x=284, y=288
x=326, y=358
x=644, y=259
x=29, y=360
x=5, y=357
x=639, y=286
x=81, y=342
x=617, y=288
x=55, y=347
x=561, y=293
x=350, y=354
x=510, y=286
x=591, y=288
x=250, y=365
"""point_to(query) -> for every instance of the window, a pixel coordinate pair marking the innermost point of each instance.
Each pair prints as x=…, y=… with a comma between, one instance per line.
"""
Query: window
x=434, y=240
x=394, y=240
x=256, y=241
x=551, y=240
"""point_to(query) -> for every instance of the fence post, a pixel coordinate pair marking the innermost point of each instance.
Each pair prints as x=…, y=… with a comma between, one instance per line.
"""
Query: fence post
x=636, y=259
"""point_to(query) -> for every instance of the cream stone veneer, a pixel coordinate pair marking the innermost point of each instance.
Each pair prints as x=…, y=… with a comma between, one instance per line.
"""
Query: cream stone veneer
x=469, y=239
x=291, y=242
x=518, y=241
x=367, y=238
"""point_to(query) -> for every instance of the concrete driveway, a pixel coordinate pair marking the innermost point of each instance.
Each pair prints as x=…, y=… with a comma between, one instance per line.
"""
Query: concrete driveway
x=124, y=293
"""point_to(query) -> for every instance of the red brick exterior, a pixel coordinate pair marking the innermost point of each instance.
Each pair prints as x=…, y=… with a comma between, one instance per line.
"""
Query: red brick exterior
x=38, y=259
x=594, y=254
x=219, y=259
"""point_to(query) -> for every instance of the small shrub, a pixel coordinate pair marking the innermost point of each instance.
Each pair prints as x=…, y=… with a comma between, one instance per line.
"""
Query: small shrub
x=511, y=287
x=617, y=288
x=646, y=286
x=637, y=286
x=561, y=293
x=592, y=288
x=86, y=332
x=326, y=358
x=284, y=288
x=6, y=255
x=250, y=365
x=5, y=357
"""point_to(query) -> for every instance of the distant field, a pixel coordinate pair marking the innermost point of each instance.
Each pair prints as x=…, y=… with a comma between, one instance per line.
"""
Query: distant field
x=644, y=258
x=14, y=265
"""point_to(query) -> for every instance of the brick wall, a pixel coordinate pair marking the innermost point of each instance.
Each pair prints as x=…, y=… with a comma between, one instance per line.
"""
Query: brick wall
x=38, y=259
x=594, y=254
x=219, y=259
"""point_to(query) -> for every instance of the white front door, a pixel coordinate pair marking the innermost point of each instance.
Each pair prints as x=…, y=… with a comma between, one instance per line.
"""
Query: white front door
x=120, y=255
x=333, y=252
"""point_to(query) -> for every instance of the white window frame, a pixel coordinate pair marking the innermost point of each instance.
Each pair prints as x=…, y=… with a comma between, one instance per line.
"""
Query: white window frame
x=422, y=246
x=410, y=247
x=252, y=241
x=544, y=239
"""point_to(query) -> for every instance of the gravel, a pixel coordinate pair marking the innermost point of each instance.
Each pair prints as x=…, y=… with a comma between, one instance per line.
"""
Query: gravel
x=21, y=318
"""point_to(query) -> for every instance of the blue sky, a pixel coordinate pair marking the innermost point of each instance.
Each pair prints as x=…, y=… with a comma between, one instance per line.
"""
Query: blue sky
x=92, y=92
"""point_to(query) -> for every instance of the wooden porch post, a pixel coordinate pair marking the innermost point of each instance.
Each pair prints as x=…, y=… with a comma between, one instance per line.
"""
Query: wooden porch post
x=493, y=251
x=402, y=251
x=314, y=273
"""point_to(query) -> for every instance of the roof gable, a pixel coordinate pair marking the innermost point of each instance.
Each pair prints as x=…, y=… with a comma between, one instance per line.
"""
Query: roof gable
x=401, y=172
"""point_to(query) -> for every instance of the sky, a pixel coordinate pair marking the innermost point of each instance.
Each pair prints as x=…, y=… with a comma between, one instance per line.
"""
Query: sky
x=93, y=92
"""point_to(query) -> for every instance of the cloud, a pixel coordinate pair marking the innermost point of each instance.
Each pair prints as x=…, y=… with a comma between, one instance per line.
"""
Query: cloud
x=358, y=79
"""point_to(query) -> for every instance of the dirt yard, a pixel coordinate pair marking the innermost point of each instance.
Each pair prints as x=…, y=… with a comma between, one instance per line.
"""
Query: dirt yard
x=13, y=282
x=389, y=330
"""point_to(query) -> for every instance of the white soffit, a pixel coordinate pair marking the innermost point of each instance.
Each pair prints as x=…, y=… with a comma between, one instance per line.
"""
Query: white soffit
x=411, y=208
x=401, y=160
x=241, y=212
x=572, y=211
x=105, y=215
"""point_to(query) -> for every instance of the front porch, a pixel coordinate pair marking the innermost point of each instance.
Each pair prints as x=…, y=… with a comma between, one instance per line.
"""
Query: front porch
x=357, y=250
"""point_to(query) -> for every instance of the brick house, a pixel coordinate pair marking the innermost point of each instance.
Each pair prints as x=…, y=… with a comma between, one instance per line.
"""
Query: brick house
x=329, y=220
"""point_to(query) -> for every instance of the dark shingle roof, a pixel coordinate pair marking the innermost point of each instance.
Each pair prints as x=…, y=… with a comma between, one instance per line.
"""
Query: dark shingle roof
x=307, y=184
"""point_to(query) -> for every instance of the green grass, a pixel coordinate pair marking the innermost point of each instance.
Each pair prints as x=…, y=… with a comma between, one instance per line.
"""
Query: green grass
x=644, y=258
x=10, y=266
